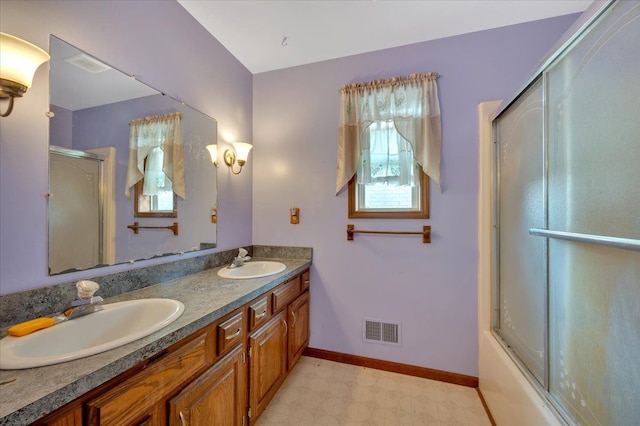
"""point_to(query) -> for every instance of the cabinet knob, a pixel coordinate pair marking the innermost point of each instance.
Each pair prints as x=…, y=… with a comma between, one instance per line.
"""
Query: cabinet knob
x=286, y=327
x=293, y=322
x=183, y=422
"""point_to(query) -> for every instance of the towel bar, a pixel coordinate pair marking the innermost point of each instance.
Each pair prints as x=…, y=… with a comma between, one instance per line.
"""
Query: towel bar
x=137, y=227
x=426, y=233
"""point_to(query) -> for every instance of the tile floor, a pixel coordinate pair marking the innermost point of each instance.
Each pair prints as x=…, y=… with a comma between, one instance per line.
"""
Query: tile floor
x=326, y=393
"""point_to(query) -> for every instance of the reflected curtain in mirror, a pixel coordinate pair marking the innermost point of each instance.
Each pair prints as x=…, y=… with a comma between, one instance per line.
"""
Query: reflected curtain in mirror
x=156, y=155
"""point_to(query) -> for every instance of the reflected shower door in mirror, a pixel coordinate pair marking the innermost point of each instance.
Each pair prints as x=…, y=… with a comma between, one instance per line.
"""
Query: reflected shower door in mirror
x=93, y=105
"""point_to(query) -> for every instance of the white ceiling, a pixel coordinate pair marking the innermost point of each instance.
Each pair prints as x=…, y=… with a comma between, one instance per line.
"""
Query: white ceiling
x=253, y=30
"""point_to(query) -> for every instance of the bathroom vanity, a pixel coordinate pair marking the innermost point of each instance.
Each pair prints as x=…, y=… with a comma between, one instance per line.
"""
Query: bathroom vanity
x=221, y=362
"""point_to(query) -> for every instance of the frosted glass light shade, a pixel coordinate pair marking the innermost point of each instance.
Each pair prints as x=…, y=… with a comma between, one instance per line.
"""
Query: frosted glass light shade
x=18, y=62
x=213, y=151
x=242, y=151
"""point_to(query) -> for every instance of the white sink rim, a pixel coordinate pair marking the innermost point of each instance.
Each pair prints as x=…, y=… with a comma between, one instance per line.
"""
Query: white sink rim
x=168, y=311
x=252, y=269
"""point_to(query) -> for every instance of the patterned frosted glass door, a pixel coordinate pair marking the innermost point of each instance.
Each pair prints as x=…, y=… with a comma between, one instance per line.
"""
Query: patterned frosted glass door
x=75, y=220
x=594, y=188
x=522, y=258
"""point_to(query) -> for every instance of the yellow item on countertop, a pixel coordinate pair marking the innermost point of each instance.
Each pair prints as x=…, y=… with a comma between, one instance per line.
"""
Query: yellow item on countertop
x=29, y=327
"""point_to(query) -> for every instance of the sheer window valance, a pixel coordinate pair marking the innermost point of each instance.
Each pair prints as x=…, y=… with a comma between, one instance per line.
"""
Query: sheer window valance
x=406, y=106
x=158, y=140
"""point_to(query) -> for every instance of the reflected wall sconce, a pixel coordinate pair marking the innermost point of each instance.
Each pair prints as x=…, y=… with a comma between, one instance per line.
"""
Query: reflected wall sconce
x=239, y=154
x=213, y=151
x=19, y=61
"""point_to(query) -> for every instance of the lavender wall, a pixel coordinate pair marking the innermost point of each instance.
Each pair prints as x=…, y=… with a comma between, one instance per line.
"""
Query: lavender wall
x=61, y=127
x=137, y=37
x=431, y=289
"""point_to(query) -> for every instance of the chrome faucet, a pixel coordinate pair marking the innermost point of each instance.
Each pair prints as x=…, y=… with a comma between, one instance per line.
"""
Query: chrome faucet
x=86, y=303
x=240, y=259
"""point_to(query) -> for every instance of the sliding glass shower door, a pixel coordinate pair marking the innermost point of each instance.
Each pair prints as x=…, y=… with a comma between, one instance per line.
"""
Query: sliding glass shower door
x=586, y=195
x=522, y=307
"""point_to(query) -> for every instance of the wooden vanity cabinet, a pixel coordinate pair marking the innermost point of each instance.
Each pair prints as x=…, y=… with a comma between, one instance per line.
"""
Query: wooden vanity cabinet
x=207, y=378
x=275, y=347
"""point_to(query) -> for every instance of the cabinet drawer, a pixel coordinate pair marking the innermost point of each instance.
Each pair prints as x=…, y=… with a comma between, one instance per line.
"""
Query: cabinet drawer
x=128, y=401
x=230, y=332
x=285, y=293
x=259, y=312
x=306, y=280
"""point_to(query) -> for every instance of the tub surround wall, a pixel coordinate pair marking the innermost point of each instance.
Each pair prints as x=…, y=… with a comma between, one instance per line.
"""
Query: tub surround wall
x=26, y=305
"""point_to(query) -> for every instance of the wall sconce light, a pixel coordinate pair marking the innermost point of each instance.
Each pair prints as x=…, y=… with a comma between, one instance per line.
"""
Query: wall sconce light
x=19, y=61
x=240, y=153
x=213, y=150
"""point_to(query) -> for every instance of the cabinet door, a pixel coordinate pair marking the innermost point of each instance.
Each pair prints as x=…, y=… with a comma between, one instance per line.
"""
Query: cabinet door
x=267, y=362
x=215, y=398
x=298, y=327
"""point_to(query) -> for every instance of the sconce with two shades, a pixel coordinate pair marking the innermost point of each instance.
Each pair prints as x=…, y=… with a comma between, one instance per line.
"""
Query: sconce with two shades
x=19, y=61
x=238, y=154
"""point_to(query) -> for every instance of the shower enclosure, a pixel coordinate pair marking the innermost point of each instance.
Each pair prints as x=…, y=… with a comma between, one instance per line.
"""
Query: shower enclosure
x=566, y=262
x=75, y=210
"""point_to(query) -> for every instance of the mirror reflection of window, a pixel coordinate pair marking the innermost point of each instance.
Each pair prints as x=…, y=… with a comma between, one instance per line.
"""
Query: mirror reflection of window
x=155, y=199
x=156, y=162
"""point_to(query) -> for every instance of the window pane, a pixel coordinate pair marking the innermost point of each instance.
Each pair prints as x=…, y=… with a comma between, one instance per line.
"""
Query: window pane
x=163, y=201
x=387, y=197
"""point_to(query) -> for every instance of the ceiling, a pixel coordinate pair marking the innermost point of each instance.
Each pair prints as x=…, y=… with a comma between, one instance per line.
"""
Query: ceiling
x=266, y=35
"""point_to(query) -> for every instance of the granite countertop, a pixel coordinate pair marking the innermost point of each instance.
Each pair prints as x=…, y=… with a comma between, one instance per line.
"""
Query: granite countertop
x=32, y=393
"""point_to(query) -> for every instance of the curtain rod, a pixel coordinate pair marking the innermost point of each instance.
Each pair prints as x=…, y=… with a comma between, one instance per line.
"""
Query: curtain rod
x=152, y=118
x=392, y=81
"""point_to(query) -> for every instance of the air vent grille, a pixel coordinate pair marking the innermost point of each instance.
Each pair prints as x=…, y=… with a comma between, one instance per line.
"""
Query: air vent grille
x=377, y=331
x=87, y=63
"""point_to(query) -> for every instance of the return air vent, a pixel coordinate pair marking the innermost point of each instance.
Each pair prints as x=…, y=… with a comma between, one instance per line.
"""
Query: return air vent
x=377, y=331
x=87, y=63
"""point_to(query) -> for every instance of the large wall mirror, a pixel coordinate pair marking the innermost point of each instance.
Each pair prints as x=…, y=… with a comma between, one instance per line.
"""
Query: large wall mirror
x=91, y=218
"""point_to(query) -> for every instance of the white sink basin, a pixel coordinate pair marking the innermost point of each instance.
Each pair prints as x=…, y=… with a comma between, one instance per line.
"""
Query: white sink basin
x=116, y=325
x=255, y=269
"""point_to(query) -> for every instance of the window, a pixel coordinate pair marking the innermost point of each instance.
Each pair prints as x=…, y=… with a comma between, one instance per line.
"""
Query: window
x=153, y=195
x=389, y=146
x=389, y=182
